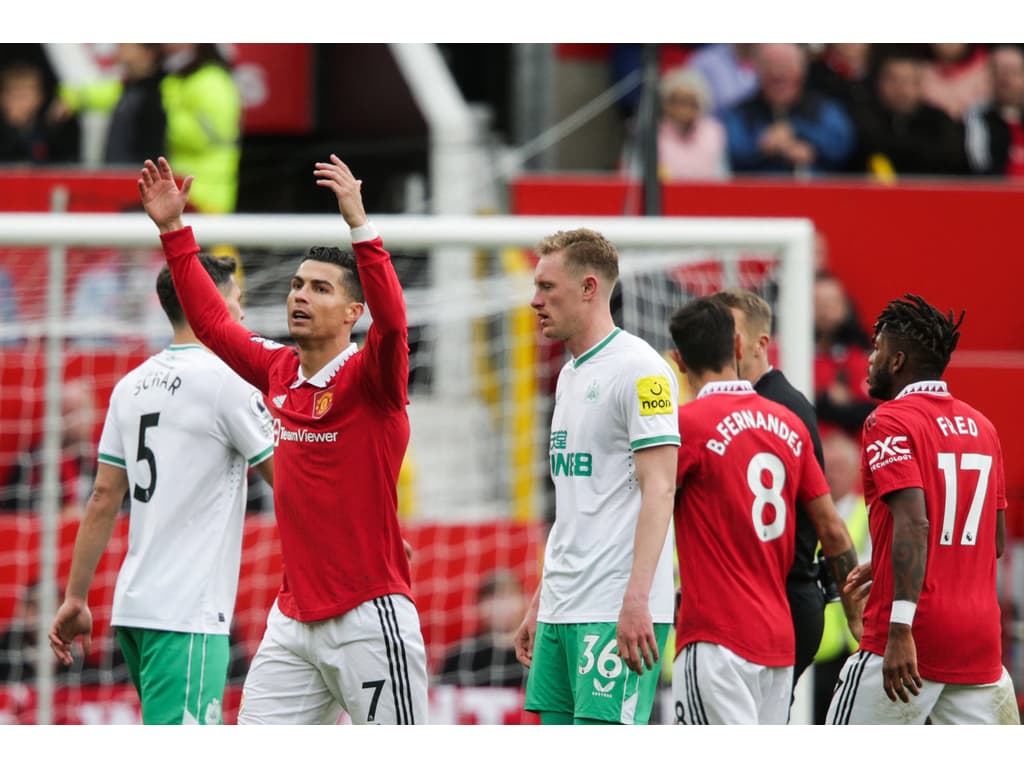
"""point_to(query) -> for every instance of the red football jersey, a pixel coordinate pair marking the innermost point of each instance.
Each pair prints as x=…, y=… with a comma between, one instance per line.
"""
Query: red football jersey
x=925, y=438
x=339, y=437
x=743, y=463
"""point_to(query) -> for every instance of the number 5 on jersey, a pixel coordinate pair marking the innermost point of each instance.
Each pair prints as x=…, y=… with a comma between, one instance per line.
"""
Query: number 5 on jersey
x=146, y=454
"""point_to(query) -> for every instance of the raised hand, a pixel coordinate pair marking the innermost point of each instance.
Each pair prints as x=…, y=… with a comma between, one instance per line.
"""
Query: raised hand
x=161, y=197
x=337, y=177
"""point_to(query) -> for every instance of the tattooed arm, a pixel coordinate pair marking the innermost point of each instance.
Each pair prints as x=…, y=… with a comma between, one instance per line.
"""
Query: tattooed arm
x=840, y=554
x=909, y=557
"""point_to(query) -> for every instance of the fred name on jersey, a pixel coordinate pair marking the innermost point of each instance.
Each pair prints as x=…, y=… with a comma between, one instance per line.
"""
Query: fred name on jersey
x=739, y=421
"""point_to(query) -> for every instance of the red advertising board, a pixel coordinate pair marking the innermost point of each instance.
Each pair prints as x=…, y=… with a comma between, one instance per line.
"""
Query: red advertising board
x=276, y=82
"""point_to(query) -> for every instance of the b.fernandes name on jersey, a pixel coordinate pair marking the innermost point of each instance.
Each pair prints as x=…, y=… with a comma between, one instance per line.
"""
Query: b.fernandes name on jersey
x=738, y=421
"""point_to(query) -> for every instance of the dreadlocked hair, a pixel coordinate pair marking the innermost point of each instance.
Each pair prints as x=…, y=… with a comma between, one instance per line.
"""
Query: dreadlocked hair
x=924, y=334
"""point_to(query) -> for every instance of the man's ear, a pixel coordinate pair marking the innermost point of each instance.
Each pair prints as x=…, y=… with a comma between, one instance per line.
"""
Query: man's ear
x=677, y=358
x=897, y=361
x=590, y=287
x=763, y=341
x=354, y=311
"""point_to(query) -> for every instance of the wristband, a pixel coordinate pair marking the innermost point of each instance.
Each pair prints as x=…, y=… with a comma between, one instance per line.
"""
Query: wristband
x=902, y=612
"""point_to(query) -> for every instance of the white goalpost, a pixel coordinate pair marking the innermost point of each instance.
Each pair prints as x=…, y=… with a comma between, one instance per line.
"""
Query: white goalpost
x=479, y=399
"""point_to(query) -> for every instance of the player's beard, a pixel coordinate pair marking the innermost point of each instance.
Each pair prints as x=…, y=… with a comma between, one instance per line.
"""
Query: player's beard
x=880, y=383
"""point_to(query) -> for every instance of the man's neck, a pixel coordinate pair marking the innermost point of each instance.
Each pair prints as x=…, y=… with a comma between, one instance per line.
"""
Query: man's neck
x=758, y=373
x=697, y=382
x=314, y=355
x=592, y=335
x=185, y=336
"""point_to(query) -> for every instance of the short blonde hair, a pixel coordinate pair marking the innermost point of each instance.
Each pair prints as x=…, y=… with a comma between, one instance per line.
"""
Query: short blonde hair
x=584, y=249
x=755, y=309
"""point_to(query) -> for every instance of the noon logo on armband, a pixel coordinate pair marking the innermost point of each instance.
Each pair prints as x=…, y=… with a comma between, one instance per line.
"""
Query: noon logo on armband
x=887, y=450
x=655, y=395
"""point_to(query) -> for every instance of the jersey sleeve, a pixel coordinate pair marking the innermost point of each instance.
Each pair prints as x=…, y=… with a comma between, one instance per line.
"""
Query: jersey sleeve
x=111, y=447
x=889, y=454
x=246, y=353
x=650, y=395
x=245, y=420
x=689, y=453
x=387, y=342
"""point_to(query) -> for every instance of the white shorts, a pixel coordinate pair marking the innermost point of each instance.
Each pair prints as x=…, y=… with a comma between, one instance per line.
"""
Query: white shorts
x=369, y=662
x=711, y=685
x=859, y=699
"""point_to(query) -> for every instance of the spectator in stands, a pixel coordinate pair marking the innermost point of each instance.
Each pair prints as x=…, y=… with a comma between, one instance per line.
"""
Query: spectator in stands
x=786, y=127
x=729, y=71
x=488, y=658
x=138, y=125
x=27, y=135
x=204, y=123
x=994, y=133
x=957, y=78
x=22, y=492
x=840, y=359
x=842, y=471
x=691, y=142
x=899, y=133
x=841, y=72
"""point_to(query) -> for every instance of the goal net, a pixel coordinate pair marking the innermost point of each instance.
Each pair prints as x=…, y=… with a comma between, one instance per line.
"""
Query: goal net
x=78, y=310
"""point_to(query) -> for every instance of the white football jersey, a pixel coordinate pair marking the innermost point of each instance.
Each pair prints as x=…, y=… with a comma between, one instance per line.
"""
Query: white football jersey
x=616, y=399
x=186, y=429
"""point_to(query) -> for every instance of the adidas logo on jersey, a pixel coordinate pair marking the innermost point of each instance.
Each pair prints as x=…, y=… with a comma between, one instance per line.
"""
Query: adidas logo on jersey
x=279, y=400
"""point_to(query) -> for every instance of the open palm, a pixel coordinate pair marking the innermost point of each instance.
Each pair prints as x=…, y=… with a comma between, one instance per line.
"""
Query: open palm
x=161, y=197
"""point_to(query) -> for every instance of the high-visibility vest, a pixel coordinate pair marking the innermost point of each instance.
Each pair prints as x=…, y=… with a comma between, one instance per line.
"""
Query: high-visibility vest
x=836, y=639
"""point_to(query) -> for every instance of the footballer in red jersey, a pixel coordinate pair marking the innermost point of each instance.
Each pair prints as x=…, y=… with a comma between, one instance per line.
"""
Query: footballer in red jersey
x=343, y=632
x=744, y=463
x=933, y=479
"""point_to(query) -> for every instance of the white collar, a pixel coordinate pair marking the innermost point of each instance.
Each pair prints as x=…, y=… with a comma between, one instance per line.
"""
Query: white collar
x=926, y=388
x=736, y=387
x=325, y=374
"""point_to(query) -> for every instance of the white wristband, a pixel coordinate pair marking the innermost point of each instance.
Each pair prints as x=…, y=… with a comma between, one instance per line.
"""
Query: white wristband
x=902, y=612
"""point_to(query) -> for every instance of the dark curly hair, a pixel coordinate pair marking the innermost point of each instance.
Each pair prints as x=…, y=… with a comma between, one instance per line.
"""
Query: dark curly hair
x=925, y=335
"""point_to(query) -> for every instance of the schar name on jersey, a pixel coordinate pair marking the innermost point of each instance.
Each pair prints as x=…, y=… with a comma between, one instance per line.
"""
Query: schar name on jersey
x=282, y=433
x=158, y=379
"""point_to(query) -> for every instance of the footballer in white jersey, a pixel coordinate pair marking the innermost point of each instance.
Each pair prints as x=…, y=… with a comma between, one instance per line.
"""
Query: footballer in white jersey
x=183, y=414
x=610, y=402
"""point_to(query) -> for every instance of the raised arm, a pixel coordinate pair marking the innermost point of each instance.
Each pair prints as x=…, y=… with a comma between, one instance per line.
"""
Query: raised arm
x=656, y=475
x=203, y=304
x=387, y=342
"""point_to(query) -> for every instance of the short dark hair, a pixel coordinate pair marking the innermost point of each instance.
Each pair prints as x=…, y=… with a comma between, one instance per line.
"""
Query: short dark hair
x=345, y=260
x=219, y=268
x=704, y=332
x=925, y=335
